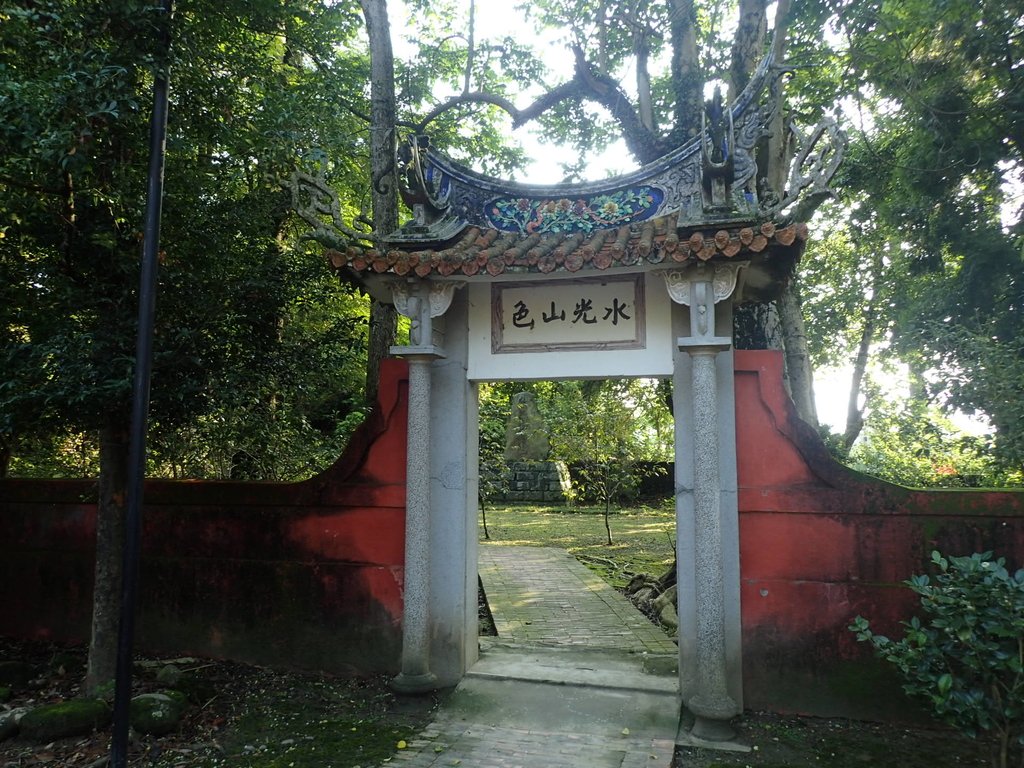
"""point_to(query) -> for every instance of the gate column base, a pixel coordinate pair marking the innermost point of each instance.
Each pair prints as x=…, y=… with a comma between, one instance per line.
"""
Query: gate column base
x=414, y=684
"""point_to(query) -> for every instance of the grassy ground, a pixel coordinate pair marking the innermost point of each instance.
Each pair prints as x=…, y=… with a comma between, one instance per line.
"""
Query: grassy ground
x=643, y=538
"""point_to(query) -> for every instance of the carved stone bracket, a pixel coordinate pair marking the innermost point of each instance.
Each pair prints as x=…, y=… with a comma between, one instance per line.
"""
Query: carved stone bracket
x=722, y=276
x=439, y=296
x=421, y=301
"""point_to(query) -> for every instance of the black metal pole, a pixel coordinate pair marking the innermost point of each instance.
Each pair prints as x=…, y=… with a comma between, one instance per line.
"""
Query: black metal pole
x=140, y=398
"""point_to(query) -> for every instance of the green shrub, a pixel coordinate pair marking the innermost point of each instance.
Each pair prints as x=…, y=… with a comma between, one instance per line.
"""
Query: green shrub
x=966, y=658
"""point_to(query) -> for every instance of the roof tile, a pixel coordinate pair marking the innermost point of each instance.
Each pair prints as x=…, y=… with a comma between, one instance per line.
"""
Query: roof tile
x=655, y=241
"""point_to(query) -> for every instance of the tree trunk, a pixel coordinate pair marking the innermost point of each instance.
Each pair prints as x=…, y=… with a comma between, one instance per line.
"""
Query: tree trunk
x=5, y=458
x=645, y=99
x=777, y=152
x=383, y=326
x=110, y=535
x=687, y=79
x=766, y=326
x=467, y=80
x=602, y=36
x=607, y=524
x=383, y=318
x=747, y=45
x=854, y=411
x=799, y=371
x=756, y=326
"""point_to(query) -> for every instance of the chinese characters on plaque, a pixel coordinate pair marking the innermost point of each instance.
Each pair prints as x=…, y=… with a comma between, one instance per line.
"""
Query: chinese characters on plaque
x=597, y=313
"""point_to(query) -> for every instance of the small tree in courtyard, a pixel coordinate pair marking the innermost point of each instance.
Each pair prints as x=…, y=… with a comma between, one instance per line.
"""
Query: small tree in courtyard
x=609, y=434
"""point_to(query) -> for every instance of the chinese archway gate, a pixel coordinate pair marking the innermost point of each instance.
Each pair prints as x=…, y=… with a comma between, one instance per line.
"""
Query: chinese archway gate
x=633, y=276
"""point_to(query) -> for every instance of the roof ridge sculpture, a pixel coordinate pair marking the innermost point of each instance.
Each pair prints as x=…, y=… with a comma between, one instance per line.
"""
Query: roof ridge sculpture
x=703, y=200
x=758, y=83
x=710, y=179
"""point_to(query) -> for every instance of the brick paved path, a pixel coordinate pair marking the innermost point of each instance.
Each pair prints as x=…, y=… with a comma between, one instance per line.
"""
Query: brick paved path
x=565, y=683
x=544, y=596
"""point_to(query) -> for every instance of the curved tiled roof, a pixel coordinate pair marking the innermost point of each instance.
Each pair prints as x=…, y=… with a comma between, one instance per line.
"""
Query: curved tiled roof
x=657, y=241
x=702, y=201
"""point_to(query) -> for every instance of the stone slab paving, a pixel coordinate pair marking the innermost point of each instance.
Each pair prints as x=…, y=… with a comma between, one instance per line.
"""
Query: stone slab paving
x=545, y=596
x=452, y=745
x=577, y=678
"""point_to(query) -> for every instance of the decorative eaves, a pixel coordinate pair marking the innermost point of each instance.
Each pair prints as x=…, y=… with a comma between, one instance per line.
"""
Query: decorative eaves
x=704, y=200
x=488, y=251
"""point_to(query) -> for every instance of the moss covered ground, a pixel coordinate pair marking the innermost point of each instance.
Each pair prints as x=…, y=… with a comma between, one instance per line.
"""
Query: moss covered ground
x=238, y=716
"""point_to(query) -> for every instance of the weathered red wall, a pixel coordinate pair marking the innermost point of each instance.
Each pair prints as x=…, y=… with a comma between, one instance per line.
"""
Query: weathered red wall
x=305, y=574
x=820, y=544
x=310, y=574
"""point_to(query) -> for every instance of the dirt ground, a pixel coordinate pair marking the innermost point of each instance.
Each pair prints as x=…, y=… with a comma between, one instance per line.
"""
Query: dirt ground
x=241, y=716
x=802, y=742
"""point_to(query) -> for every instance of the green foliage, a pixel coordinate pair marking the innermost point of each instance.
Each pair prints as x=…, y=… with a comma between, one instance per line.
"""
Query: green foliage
x=438, y=68
x=588, y=419
x=966, y=658
x=258, y=348
x=916, y=445
x=55, y=455
x=929, y=183
x=992, y=383
x=493, y=472
x=606, y=431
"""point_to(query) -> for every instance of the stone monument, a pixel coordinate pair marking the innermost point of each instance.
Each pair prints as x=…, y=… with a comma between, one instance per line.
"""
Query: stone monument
x=526, y=435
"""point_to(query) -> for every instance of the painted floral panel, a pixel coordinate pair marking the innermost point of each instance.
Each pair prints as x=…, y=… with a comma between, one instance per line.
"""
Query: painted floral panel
x=603, y=211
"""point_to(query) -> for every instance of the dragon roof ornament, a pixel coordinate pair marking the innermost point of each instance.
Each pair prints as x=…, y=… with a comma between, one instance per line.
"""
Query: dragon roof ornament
x=709, y=184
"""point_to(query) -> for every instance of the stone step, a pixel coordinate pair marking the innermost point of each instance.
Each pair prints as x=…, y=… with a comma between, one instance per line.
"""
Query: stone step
x=593, y=668
x=612, y=713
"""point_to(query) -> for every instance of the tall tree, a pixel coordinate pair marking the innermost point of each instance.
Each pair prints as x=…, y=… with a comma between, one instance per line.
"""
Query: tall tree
x=383, y=119
x=663, y=106
x=74, y=82
x=928, y=187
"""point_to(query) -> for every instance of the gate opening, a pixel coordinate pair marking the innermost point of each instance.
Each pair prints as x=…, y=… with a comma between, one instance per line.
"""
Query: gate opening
x=582, y=468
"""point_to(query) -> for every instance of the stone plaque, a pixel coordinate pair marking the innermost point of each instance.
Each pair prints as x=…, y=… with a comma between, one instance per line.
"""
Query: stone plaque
x=586, y=314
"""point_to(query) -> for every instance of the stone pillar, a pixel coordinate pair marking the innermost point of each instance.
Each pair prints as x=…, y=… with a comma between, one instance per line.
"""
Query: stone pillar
x=453, y=499
x=416, y=675
x=704, y=681
x=420, y=301
x=712, y=703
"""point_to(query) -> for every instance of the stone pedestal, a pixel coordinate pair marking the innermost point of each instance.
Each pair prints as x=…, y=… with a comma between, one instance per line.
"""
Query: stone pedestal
x=546, y=482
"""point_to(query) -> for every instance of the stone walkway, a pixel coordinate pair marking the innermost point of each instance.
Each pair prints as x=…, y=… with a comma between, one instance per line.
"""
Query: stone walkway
x=576, y=678
x=544, y=596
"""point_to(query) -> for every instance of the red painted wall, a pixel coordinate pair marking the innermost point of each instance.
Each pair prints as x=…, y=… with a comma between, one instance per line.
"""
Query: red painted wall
x=306, y=574
x=310, y=574
x=820, y=544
